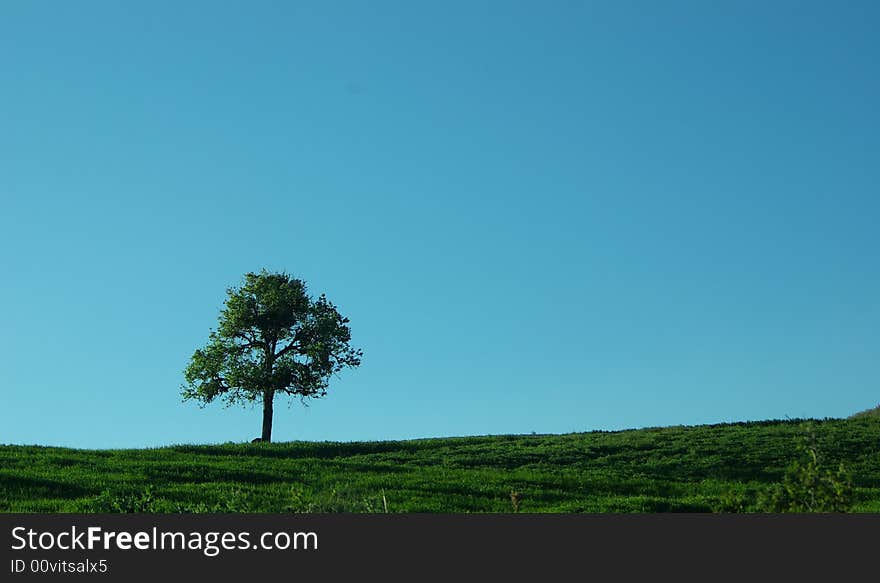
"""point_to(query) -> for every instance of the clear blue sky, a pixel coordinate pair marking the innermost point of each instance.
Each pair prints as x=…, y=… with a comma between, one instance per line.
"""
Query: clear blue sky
x=542, y=216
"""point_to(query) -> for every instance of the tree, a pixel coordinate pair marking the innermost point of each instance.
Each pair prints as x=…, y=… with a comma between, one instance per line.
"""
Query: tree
x=272, y=338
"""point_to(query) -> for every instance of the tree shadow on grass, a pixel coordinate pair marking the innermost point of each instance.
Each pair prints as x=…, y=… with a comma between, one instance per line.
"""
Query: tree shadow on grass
x=26, y=487
x=302, y=450
x=202, y=474
x=207, y=474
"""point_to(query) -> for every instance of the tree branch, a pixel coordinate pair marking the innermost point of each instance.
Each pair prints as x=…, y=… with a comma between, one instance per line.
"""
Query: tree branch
x=288, y=348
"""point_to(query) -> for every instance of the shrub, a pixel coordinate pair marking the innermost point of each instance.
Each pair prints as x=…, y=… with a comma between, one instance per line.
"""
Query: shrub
x=129, y=503
x=809, y=486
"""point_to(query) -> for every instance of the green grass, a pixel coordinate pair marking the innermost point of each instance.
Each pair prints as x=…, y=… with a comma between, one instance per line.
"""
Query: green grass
x=874, y=412
x=670, y=469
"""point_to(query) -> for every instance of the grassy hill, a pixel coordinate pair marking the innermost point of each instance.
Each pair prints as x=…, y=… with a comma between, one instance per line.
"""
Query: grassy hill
x=875, y=412
x=704, y=468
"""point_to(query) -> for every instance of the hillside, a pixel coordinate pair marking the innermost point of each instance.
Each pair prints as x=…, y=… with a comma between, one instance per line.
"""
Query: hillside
x=677, y=469
x=874, y=412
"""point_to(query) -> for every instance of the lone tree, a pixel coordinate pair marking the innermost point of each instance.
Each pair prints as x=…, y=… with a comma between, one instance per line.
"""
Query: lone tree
x=272, y=338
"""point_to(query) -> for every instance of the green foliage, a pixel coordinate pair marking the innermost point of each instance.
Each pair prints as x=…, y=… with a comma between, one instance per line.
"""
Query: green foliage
x=738, y=499
x=272, y=338
x=231, y=500
x=874, y=412
x=722, y=468
x=128, y=503
x=809, y=485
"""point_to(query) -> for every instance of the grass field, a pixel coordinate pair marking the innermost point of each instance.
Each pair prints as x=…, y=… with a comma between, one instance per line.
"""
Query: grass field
x=678, y=469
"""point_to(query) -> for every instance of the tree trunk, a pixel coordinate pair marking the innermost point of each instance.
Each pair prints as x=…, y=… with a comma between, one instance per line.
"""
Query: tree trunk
x=268, y=396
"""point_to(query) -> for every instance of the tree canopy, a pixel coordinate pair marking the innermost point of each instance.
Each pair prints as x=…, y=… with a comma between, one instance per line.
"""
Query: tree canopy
x=272, y=338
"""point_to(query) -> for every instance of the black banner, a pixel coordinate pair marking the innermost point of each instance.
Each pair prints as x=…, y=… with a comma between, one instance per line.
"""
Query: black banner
x=149, y=547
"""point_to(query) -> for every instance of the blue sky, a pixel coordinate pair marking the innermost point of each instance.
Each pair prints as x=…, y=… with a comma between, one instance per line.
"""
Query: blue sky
x=540, y=216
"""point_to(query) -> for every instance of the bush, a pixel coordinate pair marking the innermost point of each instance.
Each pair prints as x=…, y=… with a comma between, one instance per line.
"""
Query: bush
x=146, y=502
x=809, y=486
x=129, y=503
